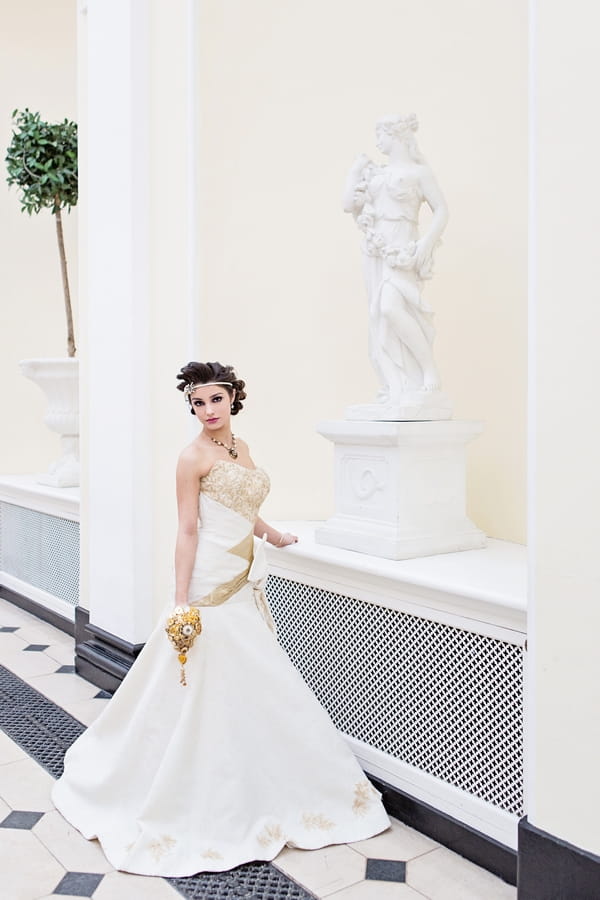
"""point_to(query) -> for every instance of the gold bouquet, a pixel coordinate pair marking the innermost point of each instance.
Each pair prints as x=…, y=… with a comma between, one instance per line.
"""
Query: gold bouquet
x=182, y=629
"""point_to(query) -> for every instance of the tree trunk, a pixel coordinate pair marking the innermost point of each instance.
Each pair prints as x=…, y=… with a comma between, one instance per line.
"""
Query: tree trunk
x=65, y=281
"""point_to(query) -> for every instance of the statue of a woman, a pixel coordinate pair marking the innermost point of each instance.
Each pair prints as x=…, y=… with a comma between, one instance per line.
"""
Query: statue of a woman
x=385, y=202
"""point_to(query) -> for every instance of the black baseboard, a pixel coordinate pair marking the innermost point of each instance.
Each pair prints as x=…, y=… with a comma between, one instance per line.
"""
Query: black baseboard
x=101, y=657
x=479, y=848
x=36, y=609
x=551, y=869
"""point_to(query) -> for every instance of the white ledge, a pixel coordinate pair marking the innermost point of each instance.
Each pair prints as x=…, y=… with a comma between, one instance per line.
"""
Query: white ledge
x=487, y=585
x=24, y=490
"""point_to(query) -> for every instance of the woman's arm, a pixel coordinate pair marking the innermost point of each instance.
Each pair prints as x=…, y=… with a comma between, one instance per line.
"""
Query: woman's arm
x=187, y=530
x=274, y=537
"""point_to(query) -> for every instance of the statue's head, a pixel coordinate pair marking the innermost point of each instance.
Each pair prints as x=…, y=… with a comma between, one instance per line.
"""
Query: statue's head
x=397, y=126
x=390, y=129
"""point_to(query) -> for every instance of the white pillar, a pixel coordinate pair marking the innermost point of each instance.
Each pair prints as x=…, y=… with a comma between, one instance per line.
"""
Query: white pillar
x=137, y=294
x=563, y=718
x=118, y=524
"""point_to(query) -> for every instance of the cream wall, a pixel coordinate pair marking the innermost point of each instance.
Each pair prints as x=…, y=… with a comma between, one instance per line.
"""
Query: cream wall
x=563, y=721
x=37, y=69
x=288, y=95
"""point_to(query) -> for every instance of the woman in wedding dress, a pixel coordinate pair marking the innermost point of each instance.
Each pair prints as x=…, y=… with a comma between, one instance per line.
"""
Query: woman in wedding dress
x=242, y=761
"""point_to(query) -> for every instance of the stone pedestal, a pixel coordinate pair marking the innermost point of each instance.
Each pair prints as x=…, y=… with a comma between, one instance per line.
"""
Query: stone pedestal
x=400, y=488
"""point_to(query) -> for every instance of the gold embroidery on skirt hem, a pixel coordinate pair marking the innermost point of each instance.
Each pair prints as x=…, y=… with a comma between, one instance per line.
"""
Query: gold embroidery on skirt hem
x=269, y=834
x=316, y=820
x=364, y=794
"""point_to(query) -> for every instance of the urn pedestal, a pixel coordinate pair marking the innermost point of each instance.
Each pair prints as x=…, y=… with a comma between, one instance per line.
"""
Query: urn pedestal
x=59, y=380
x=400, y=488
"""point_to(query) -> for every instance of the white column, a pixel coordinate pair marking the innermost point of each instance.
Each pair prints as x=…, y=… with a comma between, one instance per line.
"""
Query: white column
x=563, y=721
x=136, y=298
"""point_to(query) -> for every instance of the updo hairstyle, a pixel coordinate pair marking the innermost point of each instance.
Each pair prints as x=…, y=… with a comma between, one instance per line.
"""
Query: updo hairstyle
x=205, y=373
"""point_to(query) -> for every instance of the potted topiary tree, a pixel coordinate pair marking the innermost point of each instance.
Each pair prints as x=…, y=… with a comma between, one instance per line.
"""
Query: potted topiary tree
x=42, y=162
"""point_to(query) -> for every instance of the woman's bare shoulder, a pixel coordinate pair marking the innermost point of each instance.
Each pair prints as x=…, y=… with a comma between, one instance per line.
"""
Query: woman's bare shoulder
x=195, y=460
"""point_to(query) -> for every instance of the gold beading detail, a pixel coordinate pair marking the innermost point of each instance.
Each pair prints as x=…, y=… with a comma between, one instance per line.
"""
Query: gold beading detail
x=236, y=487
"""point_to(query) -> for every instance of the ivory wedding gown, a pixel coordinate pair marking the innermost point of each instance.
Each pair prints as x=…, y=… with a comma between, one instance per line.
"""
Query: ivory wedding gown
x=243, y=761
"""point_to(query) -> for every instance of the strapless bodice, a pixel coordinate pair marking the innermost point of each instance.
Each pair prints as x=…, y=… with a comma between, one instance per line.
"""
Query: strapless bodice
x=229, y=502
x=237, y=487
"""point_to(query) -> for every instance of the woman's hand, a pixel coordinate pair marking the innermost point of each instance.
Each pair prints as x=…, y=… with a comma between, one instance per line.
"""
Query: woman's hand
x=272, y=536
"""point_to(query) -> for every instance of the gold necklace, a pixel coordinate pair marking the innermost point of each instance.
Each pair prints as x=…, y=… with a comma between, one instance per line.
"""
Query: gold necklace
x=231, y=450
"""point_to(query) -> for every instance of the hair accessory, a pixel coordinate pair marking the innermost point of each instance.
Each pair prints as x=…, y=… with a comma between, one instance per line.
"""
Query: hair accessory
x=231, y=450
x=182, y=629
x=190, y=388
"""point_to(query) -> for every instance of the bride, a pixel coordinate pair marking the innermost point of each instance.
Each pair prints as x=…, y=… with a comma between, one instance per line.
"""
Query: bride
x=241, y=761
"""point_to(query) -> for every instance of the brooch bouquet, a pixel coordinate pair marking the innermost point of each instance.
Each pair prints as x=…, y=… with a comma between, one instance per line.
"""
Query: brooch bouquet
x=182, y=628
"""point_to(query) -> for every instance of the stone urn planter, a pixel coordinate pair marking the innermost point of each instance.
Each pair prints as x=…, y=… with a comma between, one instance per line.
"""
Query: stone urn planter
x=59, y=380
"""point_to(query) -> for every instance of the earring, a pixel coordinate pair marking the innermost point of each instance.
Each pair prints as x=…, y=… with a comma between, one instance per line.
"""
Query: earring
x=232, y=407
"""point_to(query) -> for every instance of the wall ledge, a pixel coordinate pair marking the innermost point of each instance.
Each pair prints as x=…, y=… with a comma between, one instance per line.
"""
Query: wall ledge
x=487, y=586
x=24, y=490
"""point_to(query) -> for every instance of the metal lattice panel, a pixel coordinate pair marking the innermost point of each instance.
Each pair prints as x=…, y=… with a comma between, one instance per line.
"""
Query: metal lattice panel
x=41, y=550
x=440, y=698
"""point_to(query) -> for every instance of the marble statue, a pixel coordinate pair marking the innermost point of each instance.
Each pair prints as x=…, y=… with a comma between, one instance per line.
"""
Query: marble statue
x=385, y=201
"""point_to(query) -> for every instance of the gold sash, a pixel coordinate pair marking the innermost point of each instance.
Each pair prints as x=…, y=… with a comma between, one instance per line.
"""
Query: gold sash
x=223, y=592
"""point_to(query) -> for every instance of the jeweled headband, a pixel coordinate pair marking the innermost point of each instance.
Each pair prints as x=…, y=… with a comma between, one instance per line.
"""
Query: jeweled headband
x=190, y=388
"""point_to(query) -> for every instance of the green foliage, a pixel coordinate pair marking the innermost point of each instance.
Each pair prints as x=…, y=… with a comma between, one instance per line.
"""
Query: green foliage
x=42, y=161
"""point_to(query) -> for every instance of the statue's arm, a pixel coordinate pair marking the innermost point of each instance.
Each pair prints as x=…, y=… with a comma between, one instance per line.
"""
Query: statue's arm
x=354, y=198
x=437, y=203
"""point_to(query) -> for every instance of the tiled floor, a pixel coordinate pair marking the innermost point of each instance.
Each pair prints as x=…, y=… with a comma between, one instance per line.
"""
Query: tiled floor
x=41, y=856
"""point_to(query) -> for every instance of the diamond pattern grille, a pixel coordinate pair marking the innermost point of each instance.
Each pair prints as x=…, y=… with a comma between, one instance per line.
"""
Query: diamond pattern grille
x=254, y=881
x=40, y=549
x=440, y=698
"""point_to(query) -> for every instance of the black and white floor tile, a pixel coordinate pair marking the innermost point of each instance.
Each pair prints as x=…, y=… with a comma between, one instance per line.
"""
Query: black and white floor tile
x=44, y=705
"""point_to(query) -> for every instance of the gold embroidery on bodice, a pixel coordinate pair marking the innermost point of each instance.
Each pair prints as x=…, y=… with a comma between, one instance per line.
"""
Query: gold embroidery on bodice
x=240, y=489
